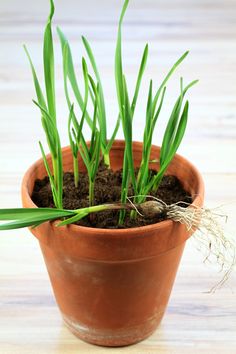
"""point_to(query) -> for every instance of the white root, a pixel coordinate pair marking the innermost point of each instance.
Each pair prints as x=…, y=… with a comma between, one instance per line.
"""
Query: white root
x=210, y=236
x=214, y=244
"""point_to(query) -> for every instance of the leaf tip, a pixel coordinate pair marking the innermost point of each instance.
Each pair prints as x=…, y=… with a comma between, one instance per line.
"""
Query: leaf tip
x=52, y=10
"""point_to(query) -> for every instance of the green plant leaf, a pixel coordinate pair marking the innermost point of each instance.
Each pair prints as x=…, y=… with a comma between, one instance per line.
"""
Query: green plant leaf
x=127, y=123
x=174, y=67
x=171, y=127
x=51, y=179
x=74, y=218
x=50, y=129
x=24, y=217
x=103, y=127
x=139, y=78
x=69, y=72
x=72, y=136
x=37, y=86
x=48, y=56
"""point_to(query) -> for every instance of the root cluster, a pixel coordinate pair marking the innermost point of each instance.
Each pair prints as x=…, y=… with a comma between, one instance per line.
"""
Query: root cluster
x=211, y=239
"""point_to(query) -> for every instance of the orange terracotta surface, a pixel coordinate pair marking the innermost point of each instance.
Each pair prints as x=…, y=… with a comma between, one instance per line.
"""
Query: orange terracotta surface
x=112, y=286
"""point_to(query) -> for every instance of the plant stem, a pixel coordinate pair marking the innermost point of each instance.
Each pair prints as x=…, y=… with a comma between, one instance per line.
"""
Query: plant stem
x=56, y=176
x=97, y=208
x=157, y=182
x=103, y=207
x=106, y=158
x=54, y=166
x=91, y=193
x=76, y=171
x=125, y=186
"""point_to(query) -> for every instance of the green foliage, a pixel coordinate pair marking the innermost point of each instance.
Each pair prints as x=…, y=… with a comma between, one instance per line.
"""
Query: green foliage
x=48, y=112
x=173, y=134
x=94, y=99
x=69, y=75
x=91, y=155
x=26, y=217
x=75, y=128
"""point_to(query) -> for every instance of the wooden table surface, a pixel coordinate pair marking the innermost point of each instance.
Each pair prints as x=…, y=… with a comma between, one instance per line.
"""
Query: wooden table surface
x=195, y=322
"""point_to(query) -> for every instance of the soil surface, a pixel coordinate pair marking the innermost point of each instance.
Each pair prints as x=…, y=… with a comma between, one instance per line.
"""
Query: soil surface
x=107, y=190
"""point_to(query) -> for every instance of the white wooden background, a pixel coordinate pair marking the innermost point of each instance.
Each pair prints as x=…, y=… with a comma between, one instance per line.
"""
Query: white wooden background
x=195, y=322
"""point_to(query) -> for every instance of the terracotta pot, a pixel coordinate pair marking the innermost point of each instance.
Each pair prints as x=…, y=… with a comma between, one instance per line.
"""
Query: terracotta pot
x=113, y=286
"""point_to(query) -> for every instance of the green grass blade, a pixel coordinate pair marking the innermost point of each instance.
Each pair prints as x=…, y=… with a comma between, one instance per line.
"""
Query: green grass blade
x=55, y=149
x=173, y=122
x=124, y=187
x=48, y=58
x=125, y=113
x=49, y=136
x=69, y=71
x=84, y=146
x=157, y=113
x=81, y=213
x=146, y=134
x=119, y=69
x=180, y=132
x=51, y=179
x=95, y=155
x=127, y=127
x=139, y=78
x=135, y=97
x=174, y=67
x=78, y=136
x=37, y=86
x=92, y=142
x=24, y=213
x=148, y=115
x=68, y=67
x=59, y=175
x=111, y=140
x=101, y=94
x=19, y=224
x=169, y=132
x=86, y=88
x=28, y=218
x=73, y=145
x=119, y=65
x=174, y=146
x=74, y=218
x=86, y=160
x=49, y=128
x=94, y=91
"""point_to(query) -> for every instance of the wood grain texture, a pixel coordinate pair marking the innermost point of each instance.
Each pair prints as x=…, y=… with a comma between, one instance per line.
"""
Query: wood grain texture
x=195, y=322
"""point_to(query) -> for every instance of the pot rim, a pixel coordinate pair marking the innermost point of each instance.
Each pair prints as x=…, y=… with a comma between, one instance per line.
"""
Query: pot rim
x=117, y=144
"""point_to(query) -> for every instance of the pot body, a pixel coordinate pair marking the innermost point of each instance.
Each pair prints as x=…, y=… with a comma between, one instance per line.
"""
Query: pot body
x=113, y=286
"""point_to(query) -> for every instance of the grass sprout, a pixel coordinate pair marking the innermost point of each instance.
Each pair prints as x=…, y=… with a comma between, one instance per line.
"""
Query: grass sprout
x=173, y=136
x=69, y=75
x=48, y=112
x=75, y=128
x=92, y=105
x=32, y=217
x=91, y=154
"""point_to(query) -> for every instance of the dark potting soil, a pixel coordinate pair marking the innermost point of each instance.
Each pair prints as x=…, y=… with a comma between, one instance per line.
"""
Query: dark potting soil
x=107, y=190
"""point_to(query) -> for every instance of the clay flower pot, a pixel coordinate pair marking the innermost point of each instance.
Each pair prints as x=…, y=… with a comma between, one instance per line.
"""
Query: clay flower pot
x=113, y=286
